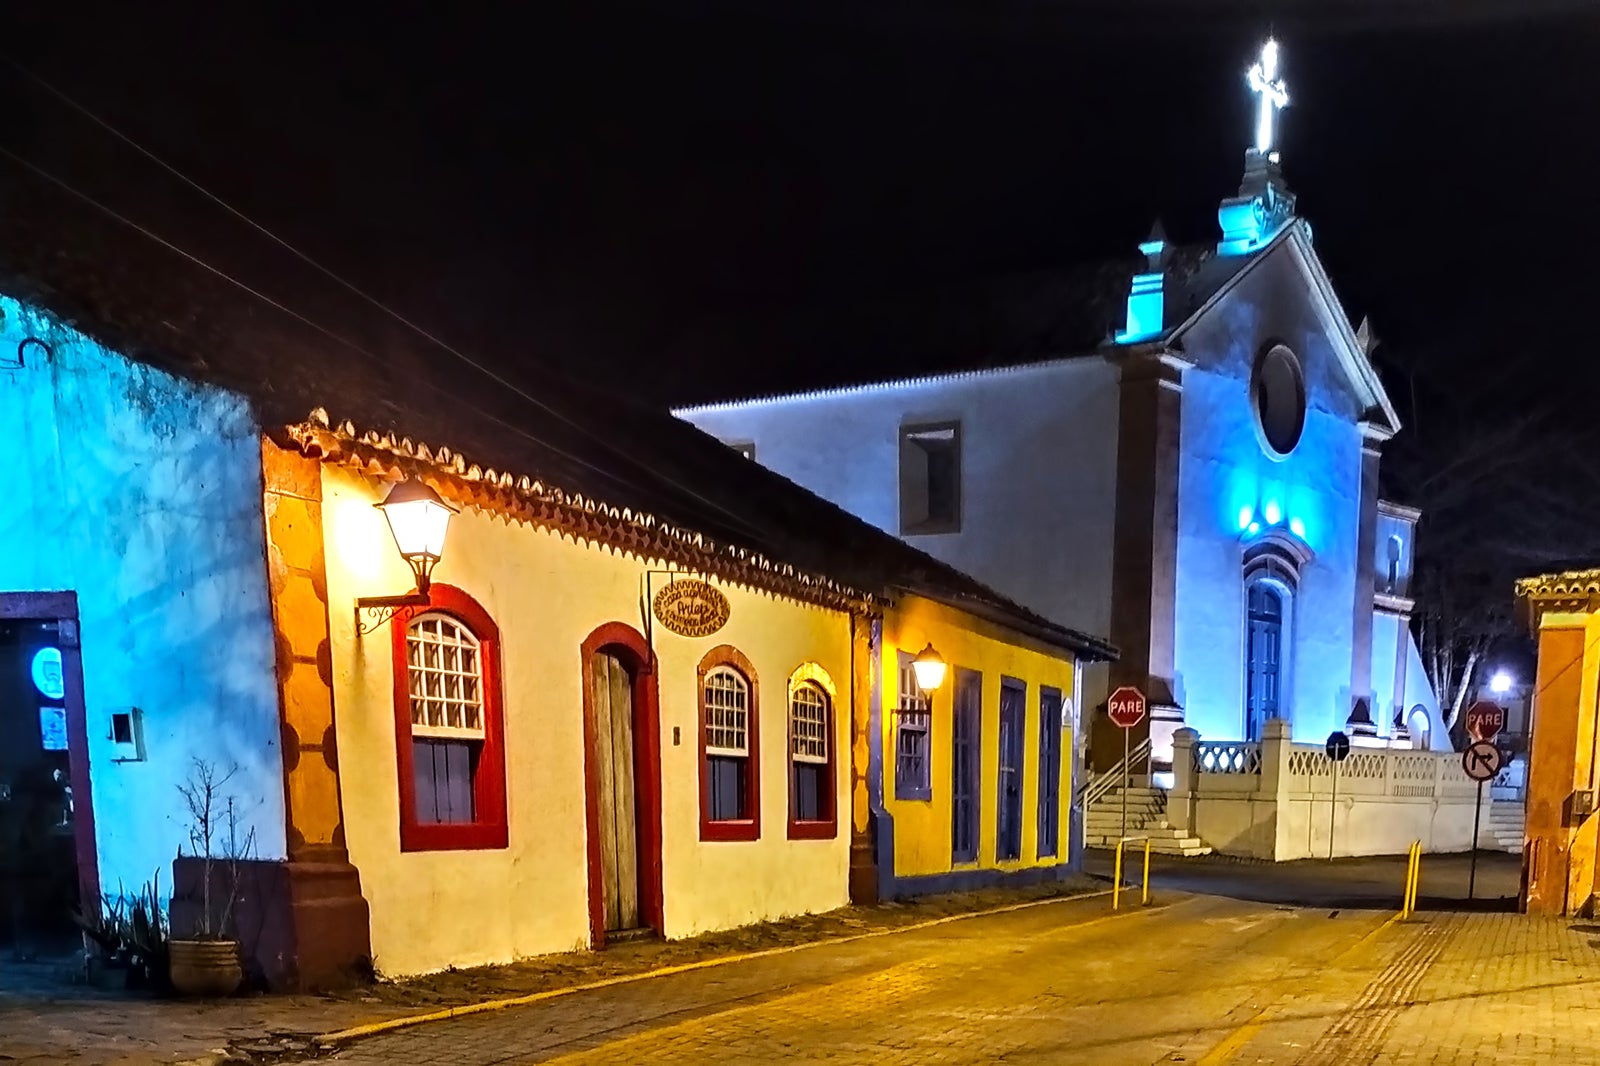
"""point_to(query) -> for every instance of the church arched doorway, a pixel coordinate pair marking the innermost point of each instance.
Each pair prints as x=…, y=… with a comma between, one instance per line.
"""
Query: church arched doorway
x=1263, y=656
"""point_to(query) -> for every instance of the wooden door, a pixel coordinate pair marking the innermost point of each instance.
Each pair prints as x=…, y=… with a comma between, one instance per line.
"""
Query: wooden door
x=1008, y=835
x=618, y=807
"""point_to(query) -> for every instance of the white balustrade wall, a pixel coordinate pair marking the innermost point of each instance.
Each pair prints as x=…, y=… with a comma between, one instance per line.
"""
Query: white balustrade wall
x=1276, y=799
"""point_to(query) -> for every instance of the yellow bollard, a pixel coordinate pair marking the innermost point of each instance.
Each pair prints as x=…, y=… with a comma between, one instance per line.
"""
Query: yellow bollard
x=1146, y=901
x=1416, y=877
x=1408, y=897
x=1116, y=879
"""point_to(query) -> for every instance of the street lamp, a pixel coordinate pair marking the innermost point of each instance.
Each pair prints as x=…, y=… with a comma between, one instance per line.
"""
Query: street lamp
x=929, y=666
x=418, y=520
x=1500, y=683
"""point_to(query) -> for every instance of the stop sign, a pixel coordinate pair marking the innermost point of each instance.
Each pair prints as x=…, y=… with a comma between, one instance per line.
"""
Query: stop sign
x=1485, y=720
x=1126, y=706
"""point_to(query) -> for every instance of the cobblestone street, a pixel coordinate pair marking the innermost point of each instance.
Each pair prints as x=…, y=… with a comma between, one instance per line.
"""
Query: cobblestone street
x=1204, y=979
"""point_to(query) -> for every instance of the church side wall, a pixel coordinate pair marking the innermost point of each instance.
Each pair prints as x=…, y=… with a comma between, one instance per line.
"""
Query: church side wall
x=1038, y=471
x=141, y=493
x=1226, y=473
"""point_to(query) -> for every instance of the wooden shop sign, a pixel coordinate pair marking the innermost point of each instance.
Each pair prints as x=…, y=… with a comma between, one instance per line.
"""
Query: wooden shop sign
x=691, y=608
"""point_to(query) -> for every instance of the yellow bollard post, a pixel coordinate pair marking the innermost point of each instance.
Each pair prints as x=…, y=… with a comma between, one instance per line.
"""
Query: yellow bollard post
x=1146, y=900
x=1116, y=879
x=1416, y=877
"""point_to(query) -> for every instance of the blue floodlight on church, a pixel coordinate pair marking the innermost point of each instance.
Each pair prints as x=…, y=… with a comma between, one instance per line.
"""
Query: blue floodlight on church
x=1272, y=513
x=1147, y=293
x=1246, y=516
x=1253, y=528
x=1298, y=528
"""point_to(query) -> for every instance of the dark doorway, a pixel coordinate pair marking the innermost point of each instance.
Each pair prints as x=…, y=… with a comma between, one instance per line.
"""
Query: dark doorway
x=1013, y=712
x=1049, y=771
x=965, y=746
x=1263, y=668
x=39, y=871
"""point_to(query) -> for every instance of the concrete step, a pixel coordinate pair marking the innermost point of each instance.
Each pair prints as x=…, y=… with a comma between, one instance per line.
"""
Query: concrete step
x=1187, y=847
x=1164, y=839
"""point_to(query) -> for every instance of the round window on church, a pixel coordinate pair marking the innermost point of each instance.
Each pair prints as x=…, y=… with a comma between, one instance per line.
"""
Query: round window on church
x=1279, y=392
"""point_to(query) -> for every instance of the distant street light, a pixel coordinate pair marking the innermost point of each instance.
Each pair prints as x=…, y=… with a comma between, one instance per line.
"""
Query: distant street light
x=1500, y=683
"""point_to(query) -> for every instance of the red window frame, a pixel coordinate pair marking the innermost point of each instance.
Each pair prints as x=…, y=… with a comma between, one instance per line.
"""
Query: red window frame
x=489, y=830
x=826, y=828
x=743, y=828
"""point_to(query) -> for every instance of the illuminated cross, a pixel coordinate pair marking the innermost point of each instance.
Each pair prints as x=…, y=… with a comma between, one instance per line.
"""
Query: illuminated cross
x=1265, y=82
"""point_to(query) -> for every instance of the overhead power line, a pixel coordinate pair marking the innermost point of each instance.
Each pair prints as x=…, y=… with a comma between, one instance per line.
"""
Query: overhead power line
x=355, y=290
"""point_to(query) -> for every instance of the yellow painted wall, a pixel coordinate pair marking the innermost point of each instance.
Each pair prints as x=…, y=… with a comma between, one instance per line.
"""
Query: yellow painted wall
x=922, y=827
x=547, y=593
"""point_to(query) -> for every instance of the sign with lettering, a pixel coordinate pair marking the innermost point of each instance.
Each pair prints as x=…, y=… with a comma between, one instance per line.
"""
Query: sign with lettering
x=1485, y=720
x=690, y=607
x=1126, y=707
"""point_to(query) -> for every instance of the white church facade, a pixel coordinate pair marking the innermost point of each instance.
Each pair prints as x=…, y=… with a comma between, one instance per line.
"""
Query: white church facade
x=1202, y=486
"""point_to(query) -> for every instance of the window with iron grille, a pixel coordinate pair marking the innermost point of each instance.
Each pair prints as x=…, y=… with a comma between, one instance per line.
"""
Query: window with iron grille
x=914, y=722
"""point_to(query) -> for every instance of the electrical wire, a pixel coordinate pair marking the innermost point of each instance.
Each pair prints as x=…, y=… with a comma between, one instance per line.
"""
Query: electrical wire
x=438, y=342
x=377, y=360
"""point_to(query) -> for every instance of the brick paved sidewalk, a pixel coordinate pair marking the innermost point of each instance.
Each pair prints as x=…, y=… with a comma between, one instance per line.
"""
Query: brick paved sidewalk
x=87, y=1028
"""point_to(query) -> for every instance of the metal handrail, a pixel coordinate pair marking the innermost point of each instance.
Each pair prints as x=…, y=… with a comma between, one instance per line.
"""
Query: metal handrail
x=1103, y=783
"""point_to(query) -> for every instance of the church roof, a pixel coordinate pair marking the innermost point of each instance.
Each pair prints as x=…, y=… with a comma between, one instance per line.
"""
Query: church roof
x=958, y=329
x=305, y=343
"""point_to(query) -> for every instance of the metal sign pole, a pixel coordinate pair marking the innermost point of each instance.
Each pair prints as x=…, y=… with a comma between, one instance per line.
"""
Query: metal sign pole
x=1125, y=733
x=1472, y=870
x=1333, y=809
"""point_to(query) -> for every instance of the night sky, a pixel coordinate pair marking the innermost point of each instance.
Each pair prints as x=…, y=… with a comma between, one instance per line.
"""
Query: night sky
x=655, y=193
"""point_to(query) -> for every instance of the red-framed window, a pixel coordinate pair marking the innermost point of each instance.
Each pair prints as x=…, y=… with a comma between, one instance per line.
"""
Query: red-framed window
x=730, y=752
x=813, y=785
x=448, y=725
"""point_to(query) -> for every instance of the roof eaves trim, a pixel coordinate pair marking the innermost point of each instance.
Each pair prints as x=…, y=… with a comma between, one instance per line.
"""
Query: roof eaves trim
x=876, y=386
x=536, y=503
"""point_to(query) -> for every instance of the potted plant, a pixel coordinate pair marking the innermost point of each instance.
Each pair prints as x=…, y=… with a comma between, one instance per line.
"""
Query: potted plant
x=206, y=962
x=130, y=937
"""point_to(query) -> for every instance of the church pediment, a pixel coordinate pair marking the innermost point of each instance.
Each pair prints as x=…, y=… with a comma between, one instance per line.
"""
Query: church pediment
x=1283, y=296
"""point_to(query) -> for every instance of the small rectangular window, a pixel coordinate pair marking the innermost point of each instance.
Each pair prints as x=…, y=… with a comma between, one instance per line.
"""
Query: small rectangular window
x=912, y=770
x=746, y=448
x=930, y=478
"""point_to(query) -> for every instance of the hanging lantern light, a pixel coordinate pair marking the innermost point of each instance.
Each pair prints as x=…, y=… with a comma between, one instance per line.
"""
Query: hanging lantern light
x=418, y=520
x=929, y=666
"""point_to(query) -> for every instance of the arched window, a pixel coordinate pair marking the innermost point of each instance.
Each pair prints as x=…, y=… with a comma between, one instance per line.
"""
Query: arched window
x=1421, y=728
x=812, y=777
x=730, y=765
x=448, y=725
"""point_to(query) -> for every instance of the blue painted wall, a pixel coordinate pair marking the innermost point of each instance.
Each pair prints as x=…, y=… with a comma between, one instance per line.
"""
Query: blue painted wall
x=1227, y=472
x=142, y=494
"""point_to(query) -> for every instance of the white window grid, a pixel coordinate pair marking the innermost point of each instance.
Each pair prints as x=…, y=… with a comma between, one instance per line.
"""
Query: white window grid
x=444, y=673
x=808, y=724
x=914, y=703
x=727, y=713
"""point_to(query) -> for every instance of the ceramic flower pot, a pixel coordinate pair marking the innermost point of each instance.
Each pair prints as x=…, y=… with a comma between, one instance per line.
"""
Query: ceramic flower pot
x=205, y=967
